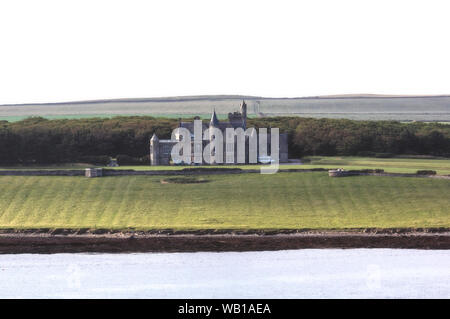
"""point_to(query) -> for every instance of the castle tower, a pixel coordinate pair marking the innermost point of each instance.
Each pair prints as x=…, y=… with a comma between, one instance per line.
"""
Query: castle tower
x=213, y=123
x=154, y=150
x=244, y=114
x=214, y=120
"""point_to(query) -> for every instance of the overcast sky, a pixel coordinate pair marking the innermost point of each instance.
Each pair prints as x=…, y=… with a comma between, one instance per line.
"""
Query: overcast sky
x=77, y=50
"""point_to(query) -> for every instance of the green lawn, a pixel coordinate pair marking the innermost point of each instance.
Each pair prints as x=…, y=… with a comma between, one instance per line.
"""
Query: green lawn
x=247, y=201
x=393, y=165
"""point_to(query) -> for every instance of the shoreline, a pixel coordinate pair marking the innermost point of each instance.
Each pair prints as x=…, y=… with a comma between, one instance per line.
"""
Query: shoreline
x=22, y=242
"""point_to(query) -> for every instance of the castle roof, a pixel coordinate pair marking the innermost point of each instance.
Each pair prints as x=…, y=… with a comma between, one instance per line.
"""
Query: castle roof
x=235, y=120
x=190, y=126
x=214, y=120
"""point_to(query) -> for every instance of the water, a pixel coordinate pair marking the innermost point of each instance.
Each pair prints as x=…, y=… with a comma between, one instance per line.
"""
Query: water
x=309, y=273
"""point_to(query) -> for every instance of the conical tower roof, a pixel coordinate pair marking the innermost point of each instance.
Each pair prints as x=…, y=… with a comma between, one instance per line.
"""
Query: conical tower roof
x=214, y=121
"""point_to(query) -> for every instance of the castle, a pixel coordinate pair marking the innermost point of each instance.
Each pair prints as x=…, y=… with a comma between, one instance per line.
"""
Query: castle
x=160, y=150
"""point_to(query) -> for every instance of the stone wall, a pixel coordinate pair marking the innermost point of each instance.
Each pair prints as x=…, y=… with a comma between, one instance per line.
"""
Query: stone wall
x=337, y=173
x=196, y=171
x=72, y=172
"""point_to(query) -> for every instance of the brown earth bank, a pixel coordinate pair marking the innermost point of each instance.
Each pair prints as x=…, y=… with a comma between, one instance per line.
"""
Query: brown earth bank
x=85, y=241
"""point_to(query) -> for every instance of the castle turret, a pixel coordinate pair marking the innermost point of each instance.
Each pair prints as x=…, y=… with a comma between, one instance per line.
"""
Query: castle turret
x=214, y=120
x=213, y=123
x=244, y=114
x=154, y=150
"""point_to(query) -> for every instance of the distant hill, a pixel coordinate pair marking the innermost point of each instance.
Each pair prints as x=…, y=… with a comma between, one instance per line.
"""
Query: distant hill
x=352, y=106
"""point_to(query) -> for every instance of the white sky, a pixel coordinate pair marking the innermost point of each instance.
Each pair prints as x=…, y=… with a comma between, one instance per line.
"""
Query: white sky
x=76, y=50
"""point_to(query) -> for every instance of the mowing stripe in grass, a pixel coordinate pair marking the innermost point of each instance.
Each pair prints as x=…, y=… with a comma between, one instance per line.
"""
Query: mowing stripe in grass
x=287, y=200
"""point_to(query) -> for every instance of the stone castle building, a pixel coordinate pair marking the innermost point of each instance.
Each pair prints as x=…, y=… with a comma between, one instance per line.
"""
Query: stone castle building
x=160, y=150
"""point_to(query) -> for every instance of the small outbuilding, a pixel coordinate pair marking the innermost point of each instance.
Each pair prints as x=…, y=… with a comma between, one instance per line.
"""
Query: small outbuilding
x=93, y=172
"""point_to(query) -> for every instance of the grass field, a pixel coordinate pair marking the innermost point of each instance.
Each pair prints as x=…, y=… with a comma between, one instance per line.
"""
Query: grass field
x=364, y=107
x=247, y=201
x=392, y=165
x=106, y=115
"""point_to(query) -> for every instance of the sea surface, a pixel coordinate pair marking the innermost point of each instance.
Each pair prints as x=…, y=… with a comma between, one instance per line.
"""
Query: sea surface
x=308, y=273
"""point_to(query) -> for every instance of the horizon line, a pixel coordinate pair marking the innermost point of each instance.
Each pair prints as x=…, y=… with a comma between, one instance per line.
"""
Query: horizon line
x=183, y=98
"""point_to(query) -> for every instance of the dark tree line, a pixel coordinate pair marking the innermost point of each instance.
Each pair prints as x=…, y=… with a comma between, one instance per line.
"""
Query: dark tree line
x=42, y=141
x=365, y=138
